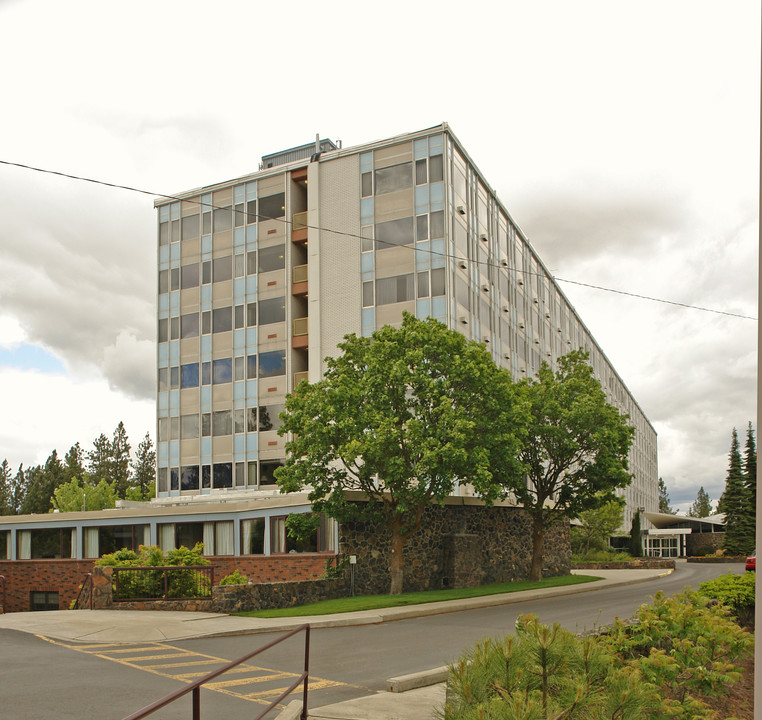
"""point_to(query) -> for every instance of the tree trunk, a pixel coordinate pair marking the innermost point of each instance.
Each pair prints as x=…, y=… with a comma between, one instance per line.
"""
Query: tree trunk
x=538, y=542
x=396, y=568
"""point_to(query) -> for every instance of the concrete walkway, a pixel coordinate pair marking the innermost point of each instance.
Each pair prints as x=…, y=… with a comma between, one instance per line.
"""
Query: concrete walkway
x=130, y=626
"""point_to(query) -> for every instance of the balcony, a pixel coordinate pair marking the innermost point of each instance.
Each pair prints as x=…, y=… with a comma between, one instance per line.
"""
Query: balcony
x=299, y=280
x=299, y=224
x=299, y=339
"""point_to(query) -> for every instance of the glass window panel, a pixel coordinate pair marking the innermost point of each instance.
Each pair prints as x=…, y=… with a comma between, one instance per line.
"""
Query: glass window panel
x=161, y=476
x=206, y=476
x=189, y=325
x=367, y=238
x=222, y=319
x=163, y=281
x=163, y=334
x=189, y=477
x=253, y=532
x=164, y=233
x=423, y=284
x=222, y=371
x=437, y=224
x=367, y=294
x=222, y=268
x=174, y=478
x=190, y=227
x=206, y=373
x=175, y=230
x=238, y=420
x=396, y=177
x=206, y=424
x=251, y=367
x=367, y=184
x=395, y=289
x=163, y=429
x=240, y=215
x=174, y=279
x=251, y=420
x=222, y=423
x=272, y=310
x=436, y=168
x=206, y=272
x=272, y=258
x=174, y=428
x=238, y=316
x=267, y=472
x=251, y=314
x=272, y=206
x=189, y=276
x=223, y=219
x=422, y=227
x=420, y=172
x=207, y=223
x=163, y=379
x=223, y=475
x=394, y=232
x=239, y=368
x=189, y=375
x=251, y=212
x=272, y=364
x=174, y=377
x=269, y=417
x=438, y=282
x=174, y=328
x=251, y=262
x=240, y=265
x=189, y=426
x=206, y=322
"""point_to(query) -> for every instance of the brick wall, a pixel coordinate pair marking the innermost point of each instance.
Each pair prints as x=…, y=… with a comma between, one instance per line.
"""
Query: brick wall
x=23, y=577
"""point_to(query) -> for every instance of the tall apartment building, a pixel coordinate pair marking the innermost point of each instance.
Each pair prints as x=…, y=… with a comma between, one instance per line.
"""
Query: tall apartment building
x=261, y=277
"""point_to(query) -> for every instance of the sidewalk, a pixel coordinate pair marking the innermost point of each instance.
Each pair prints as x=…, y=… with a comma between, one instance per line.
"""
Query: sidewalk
x=130, y=626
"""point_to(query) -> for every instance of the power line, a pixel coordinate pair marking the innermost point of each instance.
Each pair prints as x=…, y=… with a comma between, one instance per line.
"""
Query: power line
x=486, y=263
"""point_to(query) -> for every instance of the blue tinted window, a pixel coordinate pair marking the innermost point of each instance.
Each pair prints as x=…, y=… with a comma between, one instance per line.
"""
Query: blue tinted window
x=272, y=364
x=222, y=371
x=189, y=375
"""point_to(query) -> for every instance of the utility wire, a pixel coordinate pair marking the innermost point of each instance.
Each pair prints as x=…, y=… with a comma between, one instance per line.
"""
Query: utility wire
x=486, y=263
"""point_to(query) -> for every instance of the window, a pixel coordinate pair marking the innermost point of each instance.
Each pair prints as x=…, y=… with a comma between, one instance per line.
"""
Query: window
x=251, y=420
x=206, y=373
x=251, y=314
x=267, y=472
x=222, y=268
x=251, y=262
x=394, y=232
x=239, y=215
x=423, y=284
x=436, y=224
x=163, y=333
x=189, y=478
x=175, y=230
x=223, y=219
x=253, y=536
x=238, y=316
x=396, y=177
x=174, y=427
x=207, y=223
x=272, y=206
x=221, y=423
x=272, y=258
x=269, y=417
x=174, y=279
x=189, y=325
x=436, y=168
x=238, y=368
x=272, y=364
x=251, y=367
x=174, y=377
x=189, y=375
x=251, y=212
x=272, y=311
x=239, y=265
x=206, y=476
x=163, y=379
x=437, y=282
x=206, y=425
x=190, y=227
x=367, y=294
x=163, y=281
x=206, y=272
x=421, y=176
x=222, y=319
x=43, y=600
x=222, y=371
x=367, y=184
x=206, y=322
x=174, y=328
x=189, y=276
x=161, y=477
x=163, y=429
x=223, y=475
x=188, y=427
x=119, y=537
x=422, y=227
x=164, y=233
x=395, y=289
x=51, y=543
x=238, y=420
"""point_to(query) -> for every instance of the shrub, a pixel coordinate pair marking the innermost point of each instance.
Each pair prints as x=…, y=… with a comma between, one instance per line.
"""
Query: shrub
x=734, y=591
x=234, y=578
x=602, y=556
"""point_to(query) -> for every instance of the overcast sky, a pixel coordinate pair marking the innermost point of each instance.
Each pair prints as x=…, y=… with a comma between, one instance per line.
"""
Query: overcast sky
x=623, y=137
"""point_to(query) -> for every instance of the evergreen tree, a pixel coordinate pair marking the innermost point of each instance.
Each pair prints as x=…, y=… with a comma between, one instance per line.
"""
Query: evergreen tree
x=703, y=506
x=41, y=482
x=664, y=506
x=6, y=489
x=735, y=504
x=120, y=460
x=636, y=540
x=750, y=485
x=99, y=459
x=144, y=468
x=74, y=463
x=19, y=490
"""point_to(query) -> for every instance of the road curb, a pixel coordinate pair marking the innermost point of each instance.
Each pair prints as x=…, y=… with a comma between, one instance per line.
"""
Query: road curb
x=403, y=683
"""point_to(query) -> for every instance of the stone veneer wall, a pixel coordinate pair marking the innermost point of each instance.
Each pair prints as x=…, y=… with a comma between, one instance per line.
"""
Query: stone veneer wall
x=457, y=545
x=642, y=564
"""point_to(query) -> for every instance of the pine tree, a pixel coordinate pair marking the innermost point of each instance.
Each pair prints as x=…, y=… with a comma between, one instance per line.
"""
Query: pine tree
x=41, y=482
x=636, y=540
x=144, y=468
x=750, y=485
x=735, y=503
x=664, y=506
x=74, y=462
x=6, y=489
x=99, y=460
x=703, y=506
x=19, y=490
x=120, y=460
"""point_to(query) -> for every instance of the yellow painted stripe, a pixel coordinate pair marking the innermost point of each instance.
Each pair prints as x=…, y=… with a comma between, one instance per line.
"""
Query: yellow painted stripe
x=233, y=671
x=164, y=666
x=140, y=658
x=248, y=680
x=124, y=650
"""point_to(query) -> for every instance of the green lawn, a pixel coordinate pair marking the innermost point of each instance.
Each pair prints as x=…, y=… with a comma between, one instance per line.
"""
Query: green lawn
x=374, y=602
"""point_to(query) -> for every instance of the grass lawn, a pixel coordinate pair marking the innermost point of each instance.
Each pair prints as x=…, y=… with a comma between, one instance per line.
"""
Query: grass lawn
x=373, y=602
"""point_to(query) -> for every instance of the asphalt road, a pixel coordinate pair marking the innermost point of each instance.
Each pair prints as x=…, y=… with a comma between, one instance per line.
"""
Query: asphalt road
x=41, y=678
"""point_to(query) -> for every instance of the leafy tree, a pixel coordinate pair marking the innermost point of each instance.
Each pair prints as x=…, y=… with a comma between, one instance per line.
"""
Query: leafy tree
x=703, y=506
x=143, y=471
x=6, y=489
x=598, y=524
x=575, y=451
x=41, y=482
x=636, y=540
x=400, y=417
x=664, y=506
x=735, y=504
x=83, y=495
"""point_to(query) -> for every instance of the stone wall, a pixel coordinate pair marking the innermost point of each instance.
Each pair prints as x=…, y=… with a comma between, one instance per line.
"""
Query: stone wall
x=263, y=596
x=642, y=564
x=462, y=544
x=703, y=543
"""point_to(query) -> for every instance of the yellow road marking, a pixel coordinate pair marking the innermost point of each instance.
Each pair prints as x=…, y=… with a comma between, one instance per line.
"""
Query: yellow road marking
x=164, y=666
x=128, y=650
x=148, y=657
x=249, y=680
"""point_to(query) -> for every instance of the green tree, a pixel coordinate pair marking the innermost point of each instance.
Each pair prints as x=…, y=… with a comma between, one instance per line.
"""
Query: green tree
x=598, y=525
x=735, y=504
x=6, y=489
x=750, y=486
x=99, y=459
x=400, y=417
x=41, y=482
x=143, y=471
x=81, y=494
x=636, y=539
x=703, y=506
x=575, y=451
x=74, y=462
x=19, y=490
x=664, y=506
x=120, y=460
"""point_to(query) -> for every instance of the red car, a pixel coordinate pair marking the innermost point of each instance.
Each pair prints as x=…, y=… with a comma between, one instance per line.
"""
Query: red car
x=751, y=561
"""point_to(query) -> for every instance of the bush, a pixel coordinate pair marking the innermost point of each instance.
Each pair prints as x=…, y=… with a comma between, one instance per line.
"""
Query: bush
x=234, y=578
x=602, y=556
x=735, y=592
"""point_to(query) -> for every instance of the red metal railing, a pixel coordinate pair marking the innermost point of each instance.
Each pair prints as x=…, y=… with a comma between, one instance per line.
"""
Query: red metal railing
x=2, y=591
x=195, y=687
x=86, y=586
x=163, y=583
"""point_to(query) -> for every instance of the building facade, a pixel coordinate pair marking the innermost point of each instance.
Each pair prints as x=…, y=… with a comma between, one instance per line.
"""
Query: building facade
x=261, y=277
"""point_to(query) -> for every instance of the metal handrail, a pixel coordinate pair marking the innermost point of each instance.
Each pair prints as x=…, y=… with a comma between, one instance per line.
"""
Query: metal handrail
x=2, y=587
x=205, y=572
x=195, y=687
x=87, y=582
